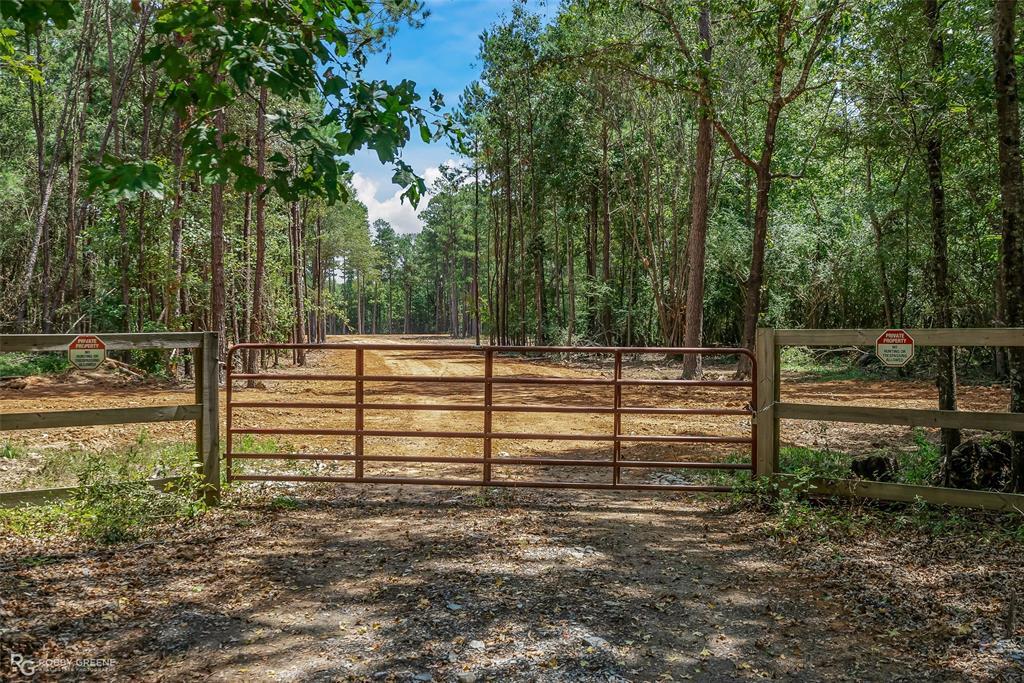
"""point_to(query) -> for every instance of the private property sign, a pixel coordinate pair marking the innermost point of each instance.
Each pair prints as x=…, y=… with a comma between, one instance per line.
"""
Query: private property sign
x=894, y=348
x=87, y=352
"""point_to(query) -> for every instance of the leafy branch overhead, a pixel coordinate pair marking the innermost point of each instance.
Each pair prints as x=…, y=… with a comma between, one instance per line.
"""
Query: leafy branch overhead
x=218, y=54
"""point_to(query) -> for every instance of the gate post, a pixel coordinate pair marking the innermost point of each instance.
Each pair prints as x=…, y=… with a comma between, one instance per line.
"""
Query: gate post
x=768, y=370
x=207, y=372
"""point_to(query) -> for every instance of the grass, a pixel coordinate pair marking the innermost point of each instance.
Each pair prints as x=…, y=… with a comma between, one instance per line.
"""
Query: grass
x=834, y=367
x=282, y=503
x=145, y=458
x=921, y=465
x=918, y=466
x=109, y=508
x=823, y=463
x=25, y=364
x=793, y=517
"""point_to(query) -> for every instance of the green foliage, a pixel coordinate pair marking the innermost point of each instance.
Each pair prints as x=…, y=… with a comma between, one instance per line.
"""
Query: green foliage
x=250, y=443
x=143, y=459
x=214, y=54
x=112, y=506
x=793, y=517
x=580, y=131
x=29, y=16
x=34, y=13
x=283, y=503
x=784, y=499
x=25, y=364
x=118, y=179
x=917, y=466
x=11, y=451
x=834, y=367
x=798, y=460
x=921, y=465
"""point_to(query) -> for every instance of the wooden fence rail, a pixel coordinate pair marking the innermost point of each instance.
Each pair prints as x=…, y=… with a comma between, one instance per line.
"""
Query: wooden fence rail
x=204, y=411
x=771, y=410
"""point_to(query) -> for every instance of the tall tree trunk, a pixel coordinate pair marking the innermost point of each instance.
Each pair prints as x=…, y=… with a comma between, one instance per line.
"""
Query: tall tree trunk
x=360, y=303
x=695, y=248
x=149, y=92
x=68, y=284
x=256, y=322
x=176, y=296
x=122, y=210
x=945, y=363
x=876, y=226
x=217, y=245
x=476, y=240
x=538, y=292
x=299, y=265
x=47, y=177
x=570, y=258
x=1011, y=185
x=407, y=317
x=755, y=279
x=606, y=224
x=319, y=330
x=505, y=297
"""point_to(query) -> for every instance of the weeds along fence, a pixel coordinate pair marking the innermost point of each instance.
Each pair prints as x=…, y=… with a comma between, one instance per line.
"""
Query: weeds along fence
x=771, y=411
x=204, y=411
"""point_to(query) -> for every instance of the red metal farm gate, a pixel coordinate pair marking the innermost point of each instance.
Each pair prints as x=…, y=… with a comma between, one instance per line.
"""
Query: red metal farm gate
x=490, y=381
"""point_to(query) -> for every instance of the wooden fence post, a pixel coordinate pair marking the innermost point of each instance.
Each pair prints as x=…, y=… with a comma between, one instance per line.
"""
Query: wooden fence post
x=208, y=428
x=767, y=395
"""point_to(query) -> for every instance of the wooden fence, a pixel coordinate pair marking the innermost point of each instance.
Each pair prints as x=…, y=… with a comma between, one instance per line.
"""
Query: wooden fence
x=203, y=411
x=771, y=410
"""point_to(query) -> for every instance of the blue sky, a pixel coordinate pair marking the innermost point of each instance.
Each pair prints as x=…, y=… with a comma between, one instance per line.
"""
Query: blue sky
x=440, y=55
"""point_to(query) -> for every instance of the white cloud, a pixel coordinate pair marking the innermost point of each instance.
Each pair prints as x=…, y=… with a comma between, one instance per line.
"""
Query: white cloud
x=400, y=214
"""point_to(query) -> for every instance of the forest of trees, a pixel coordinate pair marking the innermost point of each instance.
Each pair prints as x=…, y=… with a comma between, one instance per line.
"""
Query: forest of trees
x=671, y=172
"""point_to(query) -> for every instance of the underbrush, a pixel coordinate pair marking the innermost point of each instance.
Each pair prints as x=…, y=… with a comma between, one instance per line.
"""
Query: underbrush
x=793, y=516
x=918, y=464
x=110, y=508
x=144, y=458
x=828, y=366
x=850, y=363
x=25, y=364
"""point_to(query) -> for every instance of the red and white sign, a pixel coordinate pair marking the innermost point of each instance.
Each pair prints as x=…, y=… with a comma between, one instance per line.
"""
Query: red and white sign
x=87, y=352
x=894, y=348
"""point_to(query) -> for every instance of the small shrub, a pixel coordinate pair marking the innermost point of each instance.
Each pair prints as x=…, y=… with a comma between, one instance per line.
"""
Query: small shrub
x=111, y=507
x=25, y=364
x=281, y=503
x=11, y=451
x=784, y=496
x=922, y=464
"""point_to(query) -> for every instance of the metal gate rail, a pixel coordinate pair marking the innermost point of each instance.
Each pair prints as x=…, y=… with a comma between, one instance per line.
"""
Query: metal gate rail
x=487, y=408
